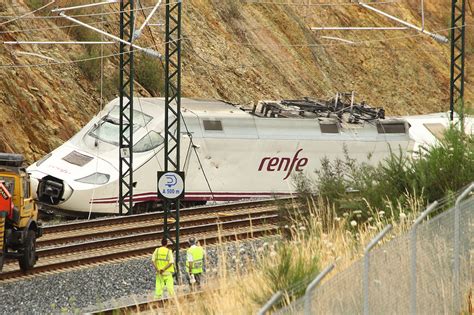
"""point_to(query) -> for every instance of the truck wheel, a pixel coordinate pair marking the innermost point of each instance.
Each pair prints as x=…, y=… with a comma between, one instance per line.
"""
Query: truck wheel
x=28, y=259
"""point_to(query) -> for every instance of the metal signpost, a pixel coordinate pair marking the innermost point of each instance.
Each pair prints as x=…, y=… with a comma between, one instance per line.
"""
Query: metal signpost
x=126, y=108
x=458, y=44
x=172, y=120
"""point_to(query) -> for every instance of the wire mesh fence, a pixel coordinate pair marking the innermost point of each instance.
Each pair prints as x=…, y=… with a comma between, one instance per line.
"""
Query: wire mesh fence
x=413, y=273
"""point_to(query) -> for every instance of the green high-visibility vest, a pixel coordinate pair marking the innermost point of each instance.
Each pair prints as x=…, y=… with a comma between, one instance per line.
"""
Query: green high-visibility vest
x=197, y=252
x=162, y=257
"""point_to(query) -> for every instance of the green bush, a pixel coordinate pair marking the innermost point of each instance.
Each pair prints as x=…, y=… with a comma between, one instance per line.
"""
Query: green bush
x=85, y=35
x=90, y=68
x=111, y=86
x=432, y=174
x=290, y=271
x=35, y=4
x=149, y=73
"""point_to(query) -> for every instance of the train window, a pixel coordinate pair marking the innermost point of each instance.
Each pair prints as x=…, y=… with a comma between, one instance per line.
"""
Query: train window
x=139, y=118
x=396, y=127
x=212, y=125
x=77, y=158
x=108, y=128
x=150, y=141
x=329, y=128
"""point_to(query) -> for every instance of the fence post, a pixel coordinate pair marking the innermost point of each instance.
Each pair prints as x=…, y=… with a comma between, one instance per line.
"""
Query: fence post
x=275, y=298
x=423, y=215
x=372, y=243
x=457, y=214
x=312, y=285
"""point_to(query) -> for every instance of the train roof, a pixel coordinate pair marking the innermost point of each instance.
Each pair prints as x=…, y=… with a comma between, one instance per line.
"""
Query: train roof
x=322, y=110
x=192, y=104
x=285, y=119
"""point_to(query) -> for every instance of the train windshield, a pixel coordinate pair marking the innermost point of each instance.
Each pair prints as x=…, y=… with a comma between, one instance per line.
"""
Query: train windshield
x=149, y=142
x=108, y=128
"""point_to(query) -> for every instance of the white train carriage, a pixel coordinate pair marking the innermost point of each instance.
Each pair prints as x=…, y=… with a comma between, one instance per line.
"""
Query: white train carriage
x=242, y=154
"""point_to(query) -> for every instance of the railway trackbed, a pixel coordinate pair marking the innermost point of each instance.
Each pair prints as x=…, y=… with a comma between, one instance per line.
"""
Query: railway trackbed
x=82, y=244
x=150, y=306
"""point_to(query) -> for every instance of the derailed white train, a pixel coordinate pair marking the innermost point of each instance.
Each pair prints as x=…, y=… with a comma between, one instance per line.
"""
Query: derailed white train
x=243, y=154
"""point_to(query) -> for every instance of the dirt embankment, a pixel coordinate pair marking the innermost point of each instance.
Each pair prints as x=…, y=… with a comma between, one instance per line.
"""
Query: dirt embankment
x=239, y=51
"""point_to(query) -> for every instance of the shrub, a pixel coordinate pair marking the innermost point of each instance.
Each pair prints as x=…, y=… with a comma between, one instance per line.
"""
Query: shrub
x=85, y=35
x=149, y=73
x=290, y=271
x=111, y=86
x=35, y=4
x=432, y=174
x=90, y=68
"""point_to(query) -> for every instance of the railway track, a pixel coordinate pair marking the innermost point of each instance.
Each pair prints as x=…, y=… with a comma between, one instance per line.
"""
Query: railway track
x=85, y=243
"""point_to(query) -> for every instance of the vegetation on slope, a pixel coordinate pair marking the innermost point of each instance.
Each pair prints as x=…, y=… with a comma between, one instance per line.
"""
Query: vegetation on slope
x=241, y=51
x=433, y=173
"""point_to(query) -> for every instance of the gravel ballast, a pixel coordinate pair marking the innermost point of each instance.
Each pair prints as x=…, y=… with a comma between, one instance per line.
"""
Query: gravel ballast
x=99, y=287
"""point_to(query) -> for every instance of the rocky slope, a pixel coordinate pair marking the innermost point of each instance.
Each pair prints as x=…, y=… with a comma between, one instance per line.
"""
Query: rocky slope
x=240, y=51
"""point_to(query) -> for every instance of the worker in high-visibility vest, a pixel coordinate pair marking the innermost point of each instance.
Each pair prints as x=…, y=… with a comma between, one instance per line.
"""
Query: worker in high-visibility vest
x=194, y=262
x=164, y=265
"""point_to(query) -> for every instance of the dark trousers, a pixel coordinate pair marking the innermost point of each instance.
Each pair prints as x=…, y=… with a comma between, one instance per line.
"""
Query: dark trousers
x=197, y=277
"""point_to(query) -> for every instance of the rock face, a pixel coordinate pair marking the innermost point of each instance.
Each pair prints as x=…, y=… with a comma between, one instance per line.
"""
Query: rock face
x=240, y=51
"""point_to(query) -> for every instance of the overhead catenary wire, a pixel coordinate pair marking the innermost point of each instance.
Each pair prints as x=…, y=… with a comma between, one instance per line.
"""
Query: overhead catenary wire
x=357, y=28
x=46, y=17
x=35, y=55
x=40, y=29
x=84, y=6
x=327, y=4
x=345, y=43
x=138, y=32
x=148, y=51
x=436, y=36
x=15, y=18
x=335, y=45
x=55, y=43
x=339, y=39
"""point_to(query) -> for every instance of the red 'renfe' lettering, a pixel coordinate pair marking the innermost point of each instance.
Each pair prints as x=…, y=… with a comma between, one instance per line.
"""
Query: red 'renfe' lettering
x=285, y=164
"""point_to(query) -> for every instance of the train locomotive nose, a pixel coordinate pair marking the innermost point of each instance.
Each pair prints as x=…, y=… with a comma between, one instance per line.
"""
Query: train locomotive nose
x=53, y=191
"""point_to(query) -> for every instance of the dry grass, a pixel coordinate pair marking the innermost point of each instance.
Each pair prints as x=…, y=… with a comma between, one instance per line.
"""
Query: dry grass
x=322, y=237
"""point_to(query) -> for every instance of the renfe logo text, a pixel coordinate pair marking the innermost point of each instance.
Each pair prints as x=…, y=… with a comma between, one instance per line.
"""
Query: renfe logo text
x=285, y=164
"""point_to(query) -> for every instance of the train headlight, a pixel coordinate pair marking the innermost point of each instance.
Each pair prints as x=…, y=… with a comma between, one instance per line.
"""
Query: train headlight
x=43, y=159
x=95, y=178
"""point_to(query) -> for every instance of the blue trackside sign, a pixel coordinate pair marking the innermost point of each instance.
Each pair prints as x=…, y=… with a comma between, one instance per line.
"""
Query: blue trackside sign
x=170, y=185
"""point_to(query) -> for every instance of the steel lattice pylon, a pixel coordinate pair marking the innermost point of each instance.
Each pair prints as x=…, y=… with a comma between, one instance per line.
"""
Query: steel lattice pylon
x=458, y=43
x=172, y=116
x=126, y=108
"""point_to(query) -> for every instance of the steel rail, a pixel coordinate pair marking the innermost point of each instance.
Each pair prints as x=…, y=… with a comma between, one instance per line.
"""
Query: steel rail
x=252, y=223
x=151, y=226
x=151, y=215
x=155, y=235
x=135, y=252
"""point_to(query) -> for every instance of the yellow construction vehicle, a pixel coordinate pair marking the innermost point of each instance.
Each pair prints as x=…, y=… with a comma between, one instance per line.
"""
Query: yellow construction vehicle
x=19, y=227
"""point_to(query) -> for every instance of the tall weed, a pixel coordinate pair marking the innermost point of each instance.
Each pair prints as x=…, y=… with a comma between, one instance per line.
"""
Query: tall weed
x=430, y=174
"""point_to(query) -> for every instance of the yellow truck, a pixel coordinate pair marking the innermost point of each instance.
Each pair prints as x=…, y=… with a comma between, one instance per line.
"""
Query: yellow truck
x=19, y=227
